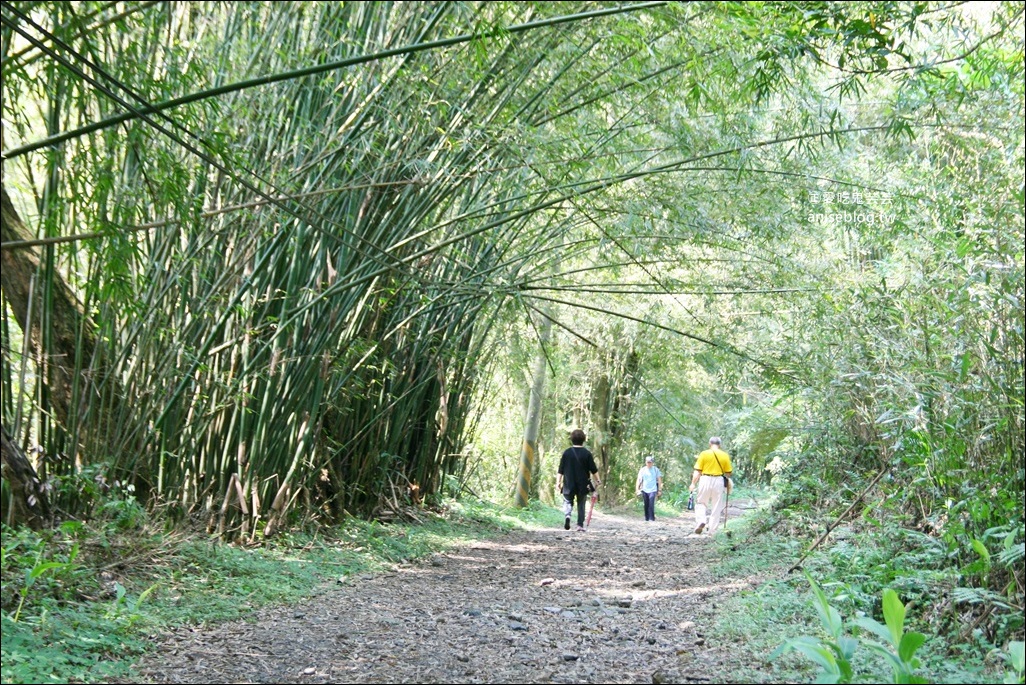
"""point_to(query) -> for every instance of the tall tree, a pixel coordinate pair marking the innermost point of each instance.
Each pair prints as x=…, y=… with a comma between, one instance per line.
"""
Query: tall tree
x=532, y=422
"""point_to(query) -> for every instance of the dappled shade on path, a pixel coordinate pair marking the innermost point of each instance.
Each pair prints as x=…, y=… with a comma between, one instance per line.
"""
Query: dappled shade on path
x=625, y=602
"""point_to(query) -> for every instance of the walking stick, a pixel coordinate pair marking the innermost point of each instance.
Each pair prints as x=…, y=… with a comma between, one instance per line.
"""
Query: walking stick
x=726, y=503
x=591, y=510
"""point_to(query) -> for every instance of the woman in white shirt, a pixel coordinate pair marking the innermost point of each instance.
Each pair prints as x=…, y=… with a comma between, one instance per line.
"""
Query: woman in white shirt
x=649, y=485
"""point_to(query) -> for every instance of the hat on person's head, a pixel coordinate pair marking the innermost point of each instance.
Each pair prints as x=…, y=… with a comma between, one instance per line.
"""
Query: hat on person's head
x=649, y=458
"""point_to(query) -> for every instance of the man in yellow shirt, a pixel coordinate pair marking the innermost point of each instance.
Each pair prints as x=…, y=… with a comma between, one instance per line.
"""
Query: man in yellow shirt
x=712, y=478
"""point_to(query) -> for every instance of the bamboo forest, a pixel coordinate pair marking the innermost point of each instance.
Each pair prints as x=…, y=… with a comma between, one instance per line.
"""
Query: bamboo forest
x=305, y=306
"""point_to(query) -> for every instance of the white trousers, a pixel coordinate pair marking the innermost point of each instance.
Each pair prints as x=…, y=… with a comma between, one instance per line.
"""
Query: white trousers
x=709, y=502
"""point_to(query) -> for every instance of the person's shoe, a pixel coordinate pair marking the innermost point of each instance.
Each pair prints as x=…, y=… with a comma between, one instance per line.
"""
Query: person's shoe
x=580, y=529
x=699, y=528
x=566, y=523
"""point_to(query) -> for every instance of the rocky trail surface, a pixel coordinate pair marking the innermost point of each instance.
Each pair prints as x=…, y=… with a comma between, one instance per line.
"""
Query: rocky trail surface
x=625, y=602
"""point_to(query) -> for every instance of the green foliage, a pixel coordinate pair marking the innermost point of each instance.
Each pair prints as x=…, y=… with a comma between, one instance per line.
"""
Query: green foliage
x=124, y=514
x=43, y=567
x=126, y=609
x=74, y=645
x=899, y=647
x=834, y=655
x=861, y=561
x=774, y=604
x=760, y=436
x=60, y=631
x=1016, y=660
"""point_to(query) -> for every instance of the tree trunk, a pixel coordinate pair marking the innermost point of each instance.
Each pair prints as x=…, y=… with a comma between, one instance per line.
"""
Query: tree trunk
x=529, y=450
x=600, y=408
x=28, y=502
x=60, y=364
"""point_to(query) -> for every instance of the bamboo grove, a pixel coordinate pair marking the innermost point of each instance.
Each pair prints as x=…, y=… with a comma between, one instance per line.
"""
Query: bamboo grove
x=294, y=299
x=264, y=261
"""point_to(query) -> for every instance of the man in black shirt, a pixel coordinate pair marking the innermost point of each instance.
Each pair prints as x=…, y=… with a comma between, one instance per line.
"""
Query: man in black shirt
x=575, y=469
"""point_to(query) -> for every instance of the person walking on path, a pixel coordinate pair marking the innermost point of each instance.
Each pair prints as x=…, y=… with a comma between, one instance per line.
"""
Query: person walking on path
x=712, y=478
x=649, y=485
x=576, y=467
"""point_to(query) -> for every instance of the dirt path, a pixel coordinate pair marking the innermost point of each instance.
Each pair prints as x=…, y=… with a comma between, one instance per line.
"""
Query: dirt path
x=625, y=602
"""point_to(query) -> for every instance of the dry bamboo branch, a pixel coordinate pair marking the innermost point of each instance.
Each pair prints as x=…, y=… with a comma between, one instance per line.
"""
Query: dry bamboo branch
x=839, y=519
x=241, y=494
x=224, y=506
